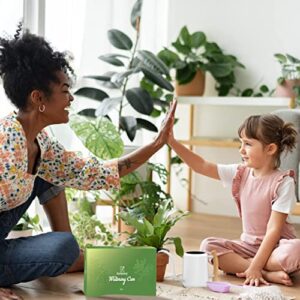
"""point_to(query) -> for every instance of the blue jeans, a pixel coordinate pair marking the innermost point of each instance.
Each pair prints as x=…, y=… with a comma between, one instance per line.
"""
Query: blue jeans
x=28, y=258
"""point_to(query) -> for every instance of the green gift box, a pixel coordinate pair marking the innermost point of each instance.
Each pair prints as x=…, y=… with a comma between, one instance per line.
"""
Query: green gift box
x=120, y=270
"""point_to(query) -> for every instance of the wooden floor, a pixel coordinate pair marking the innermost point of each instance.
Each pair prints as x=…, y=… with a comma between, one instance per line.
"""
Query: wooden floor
x=192, y=229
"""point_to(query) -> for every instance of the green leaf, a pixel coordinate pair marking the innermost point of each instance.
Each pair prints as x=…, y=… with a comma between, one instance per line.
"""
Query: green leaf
x=140, y=100
x=264, y=89
x=281, y=58
x=112, y=59
x=119, y=39
x=129, y=124
x=142, y=123
x=181, y=48
x=292, y=59
x=99, y=136
x=157, y=79
x=281, y=80
x=92, y=93
x=98, y=77
x=168, y=57
x=247, y=93
x=219, y=69
x=198, y=39
x=136, y=12
x=186, y=74
x=184, y=37
x=88, y=112
x=107, y=105
x=153, y=62
x=178, y=246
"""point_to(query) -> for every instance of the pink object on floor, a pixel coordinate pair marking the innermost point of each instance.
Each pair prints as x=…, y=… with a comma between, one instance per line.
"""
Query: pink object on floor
x=218, y=286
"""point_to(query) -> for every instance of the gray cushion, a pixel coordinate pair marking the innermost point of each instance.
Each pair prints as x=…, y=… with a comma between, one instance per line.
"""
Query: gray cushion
x=291, y=159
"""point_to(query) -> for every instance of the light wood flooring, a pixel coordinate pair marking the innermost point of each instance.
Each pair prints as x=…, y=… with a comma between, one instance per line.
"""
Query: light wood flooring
x=192, y=229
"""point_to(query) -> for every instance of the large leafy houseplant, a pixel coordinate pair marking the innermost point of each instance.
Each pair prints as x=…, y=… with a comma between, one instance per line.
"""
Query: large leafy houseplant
x=193, y=52
x=132, y=62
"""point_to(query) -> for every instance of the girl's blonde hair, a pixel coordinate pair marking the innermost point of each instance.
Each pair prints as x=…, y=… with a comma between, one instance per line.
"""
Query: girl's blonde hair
x=270, y=129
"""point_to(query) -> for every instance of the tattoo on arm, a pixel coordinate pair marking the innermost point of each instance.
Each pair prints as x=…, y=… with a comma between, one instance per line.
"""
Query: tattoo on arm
x=126, y=163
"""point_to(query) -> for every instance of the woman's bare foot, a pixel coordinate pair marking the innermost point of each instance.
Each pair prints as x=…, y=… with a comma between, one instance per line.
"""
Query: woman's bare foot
x=8, y=294
x=278, y=277
x=78, y=265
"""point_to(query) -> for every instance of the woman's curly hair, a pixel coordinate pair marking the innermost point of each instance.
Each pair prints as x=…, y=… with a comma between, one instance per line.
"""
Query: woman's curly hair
x=27, y=62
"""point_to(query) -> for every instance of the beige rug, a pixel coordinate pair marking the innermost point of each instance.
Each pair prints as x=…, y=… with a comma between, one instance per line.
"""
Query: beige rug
x=173, y=289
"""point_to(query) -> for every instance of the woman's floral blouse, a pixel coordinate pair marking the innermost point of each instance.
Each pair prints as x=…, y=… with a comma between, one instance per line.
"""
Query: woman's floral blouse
x=56, y=165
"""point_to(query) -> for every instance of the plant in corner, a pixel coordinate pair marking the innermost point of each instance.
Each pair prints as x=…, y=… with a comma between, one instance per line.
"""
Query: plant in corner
x=289, y=81
x=194, y=55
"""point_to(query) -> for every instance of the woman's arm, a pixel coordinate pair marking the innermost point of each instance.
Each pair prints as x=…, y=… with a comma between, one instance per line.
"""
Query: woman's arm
x=194, y=161
x=254, y=273
x=132, y=161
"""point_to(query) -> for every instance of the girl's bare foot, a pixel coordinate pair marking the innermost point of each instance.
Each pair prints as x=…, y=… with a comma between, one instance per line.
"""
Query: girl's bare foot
x=278, y=277
x=7, y=294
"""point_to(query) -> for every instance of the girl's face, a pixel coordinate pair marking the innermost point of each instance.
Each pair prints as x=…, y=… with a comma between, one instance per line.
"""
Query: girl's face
x=254, y=154
x=58, y=103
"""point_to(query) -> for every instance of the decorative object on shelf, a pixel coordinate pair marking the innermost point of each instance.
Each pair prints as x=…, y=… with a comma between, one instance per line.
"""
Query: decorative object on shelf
x=193, y=57
x=25, y=226
x=262, y=91
x=289, y=81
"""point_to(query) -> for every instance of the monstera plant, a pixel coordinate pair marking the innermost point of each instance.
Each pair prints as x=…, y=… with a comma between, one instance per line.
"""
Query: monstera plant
x=141, y=99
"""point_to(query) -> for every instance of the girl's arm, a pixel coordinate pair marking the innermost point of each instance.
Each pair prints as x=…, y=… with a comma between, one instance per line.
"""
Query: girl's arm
x=194, y=161
x=254, y=273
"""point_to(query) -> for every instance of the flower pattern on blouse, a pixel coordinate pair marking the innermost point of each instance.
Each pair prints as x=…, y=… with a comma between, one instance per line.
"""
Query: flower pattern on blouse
x=56, y=165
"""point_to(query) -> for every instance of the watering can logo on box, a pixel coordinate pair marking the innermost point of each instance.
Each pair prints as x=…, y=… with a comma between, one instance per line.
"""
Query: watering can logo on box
x=120, y=270
x=122, y=276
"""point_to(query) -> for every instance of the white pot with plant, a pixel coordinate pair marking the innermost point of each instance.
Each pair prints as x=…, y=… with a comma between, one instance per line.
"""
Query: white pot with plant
x=25, y=227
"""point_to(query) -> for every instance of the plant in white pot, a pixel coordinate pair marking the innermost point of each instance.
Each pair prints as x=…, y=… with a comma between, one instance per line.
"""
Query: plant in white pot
x=25, y=226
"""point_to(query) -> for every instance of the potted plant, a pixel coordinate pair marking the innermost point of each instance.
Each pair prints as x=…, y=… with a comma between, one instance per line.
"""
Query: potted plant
x=152, y=219
x=193, y=56
x=25, y=226
x=289, y=81
x=131, y=62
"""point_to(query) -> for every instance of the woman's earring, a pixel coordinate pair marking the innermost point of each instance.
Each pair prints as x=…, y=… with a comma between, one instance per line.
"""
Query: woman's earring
x=42, y=108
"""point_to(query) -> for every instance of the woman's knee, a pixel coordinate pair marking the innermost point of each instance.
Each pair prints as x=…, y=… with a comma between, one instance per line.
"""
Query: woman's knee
x=208, y=244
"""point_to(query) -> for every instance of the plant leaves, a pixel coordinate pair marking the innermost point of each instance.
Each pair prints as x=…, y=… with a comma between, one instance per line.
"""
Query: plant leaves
x=168, y=57
x=88, y=112
x=136, y=12
x=142, y=123
x=92, y=93
x=247, y=93
x=198, y=39
x=112, y=59
x=153, y=62
x=157, y=79
x=119, y=39
x=100, y=136
x=107, y=105
x=219, y=69
x=129, y=125
x=185, y=37
x=140, y=100
x=281, y=58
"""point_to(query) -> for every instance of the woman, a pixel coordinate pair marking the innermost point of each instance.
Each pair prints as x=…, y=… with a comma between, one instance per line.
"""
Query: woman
x=36, y=80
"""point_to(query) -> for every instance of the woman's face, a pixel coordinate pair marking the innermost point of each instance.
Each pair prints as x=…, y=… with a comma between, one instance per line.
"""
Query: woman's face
x=58, y=103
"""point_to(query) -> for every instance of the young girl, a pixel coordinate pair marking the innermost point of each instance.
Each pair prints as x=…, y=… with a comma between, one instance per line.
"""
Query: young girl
x=268, y=250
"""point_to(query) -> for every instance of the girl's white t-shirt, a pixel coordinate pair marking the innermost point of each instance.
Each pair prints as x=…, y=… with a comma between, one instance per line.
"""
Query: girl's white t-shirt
x=286, y=197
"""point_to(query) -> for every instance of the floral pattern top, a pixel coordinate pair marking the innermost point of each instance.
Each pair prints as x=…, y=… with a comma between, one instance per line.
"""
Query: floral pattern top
x=56, y=165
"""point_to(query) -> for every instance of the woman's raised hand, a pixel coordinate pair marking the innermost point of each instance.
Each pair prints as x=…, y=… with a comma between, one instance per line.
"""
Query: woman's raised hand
x=167, y=125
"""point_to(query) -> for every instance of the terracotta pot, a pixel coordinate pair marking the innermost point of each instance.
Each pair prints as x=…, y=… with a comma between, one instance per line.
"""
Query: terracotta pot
x=193, y=88
x=286, y=89
x=162, y=259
